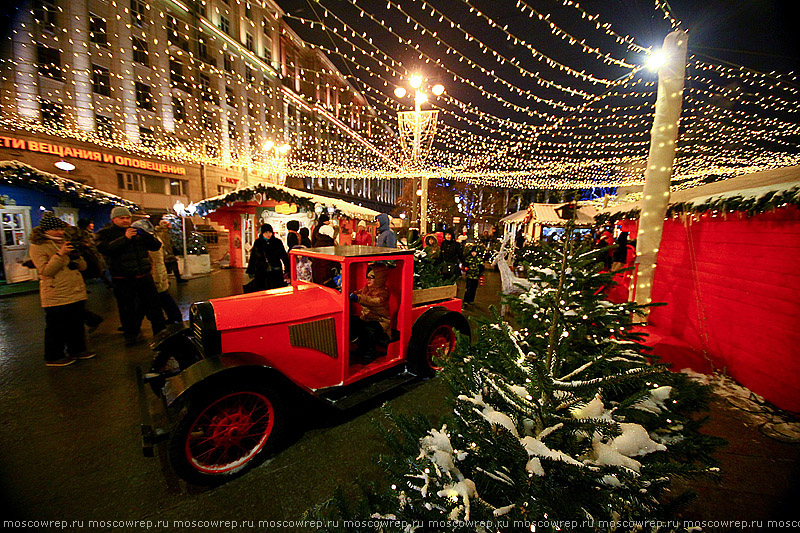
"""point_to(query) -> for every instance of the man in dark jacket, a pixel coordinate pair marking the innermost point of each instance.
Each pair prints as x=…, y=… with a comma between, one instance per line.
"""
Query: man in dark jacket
x=386, y=236
x=269, y=263
x=126, y=251
x=450, y=255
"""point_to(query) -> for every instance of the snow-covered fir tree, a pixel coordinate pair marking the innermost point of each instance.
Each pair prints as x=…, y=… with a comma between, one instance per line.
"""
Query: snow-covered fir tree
x=559, y=422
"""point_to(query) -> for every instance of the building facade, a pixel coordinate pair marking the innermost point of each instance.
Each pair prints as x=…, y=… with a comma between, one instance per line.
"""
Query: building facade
x=176, y=101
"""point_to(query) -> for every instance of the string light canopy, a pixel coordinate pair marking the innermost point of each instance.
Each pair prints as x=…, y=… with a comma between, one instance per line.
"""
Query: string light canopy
x=550, y=98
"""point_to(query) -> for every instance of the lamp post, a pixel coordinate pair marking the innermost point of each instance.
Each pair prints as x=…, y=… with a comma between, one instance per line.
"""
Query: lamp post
x=421, y=127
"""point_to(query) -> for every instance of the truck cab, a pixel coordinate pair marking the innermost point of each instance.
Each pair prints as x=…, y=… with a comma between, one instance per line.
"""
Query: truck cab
x=224, y=379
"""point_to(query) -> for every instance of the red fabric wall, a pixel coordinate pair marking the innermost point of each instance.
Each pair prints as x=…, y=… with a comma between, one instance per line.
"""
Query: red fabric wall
x=733, y=288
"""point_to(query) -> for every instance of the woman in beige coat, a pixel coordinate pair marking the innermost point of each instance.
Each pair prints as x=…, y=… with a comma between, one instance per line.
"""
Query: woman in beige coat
x=62, y=292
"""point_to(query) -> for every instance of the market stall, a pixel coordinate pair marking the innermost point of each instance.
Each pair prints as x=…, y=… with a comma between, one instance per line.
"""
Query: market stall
x=727, y=268
x=542, y=221
x=243, y=211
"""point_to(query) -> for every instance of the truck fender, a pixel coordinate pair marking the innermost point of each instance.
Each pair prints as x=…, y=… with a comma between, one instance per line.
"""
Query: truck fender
x=213, y=370
x=423, y=327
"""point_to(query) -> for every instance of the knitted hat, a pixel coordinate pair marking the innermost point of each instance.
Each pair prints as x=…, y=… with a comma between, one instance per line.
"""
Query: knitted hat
x=326, y=230
x=293, y=225
x=265, y=228
x=120, y=211
x=50, y=221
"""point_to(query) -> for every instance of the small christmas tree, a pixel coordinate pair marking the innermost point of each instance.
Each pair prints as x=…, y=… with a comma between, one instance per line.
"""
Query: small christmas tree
x=561, y=423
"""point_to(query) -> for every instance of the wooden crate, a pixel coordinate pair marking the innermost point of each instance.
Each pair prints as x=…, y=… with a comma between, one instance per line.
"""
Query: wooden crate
x=433, y=294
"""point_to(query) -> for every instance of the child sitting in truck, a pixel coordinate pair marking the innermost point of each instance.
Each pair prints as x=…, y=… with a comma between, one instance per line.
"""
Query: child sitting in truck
x=374, y=324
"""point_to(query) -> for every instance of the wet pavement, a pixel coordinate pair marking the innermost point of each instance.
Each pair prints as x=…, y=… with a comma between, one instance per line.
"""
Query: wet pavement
x=70, y=446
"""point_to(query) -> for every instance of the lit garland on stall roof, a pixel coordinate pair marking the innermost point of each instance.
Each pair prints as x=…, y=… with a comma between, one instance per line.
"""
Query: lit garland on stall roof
x=19, y=174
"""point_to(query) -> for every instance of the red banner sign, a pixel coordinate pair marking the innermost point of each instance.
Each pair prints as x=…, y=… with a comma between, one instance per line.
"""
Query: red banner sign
x=89, y=155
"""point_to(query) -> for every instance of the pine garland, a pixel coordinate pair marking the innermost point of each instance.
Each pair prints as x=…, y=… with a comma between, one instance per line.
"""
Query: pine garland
x=724, y=203
x=267, y=192
x=19, y=174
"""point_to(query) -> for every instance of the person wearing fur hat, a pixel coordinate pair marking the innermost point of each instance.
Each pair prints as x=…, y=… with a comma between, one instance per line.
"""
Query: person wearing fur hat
x=269, y=262
x=62, y=292
x=292, y=234
x=324, y=271
x=127, y=252
x=375, y=322
x=363, y=238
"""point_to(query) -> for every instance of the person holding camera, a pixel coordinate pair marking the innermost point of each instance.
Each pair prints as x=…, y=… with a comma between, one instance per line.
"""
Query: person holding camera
x=61, y=290
x=126, y=250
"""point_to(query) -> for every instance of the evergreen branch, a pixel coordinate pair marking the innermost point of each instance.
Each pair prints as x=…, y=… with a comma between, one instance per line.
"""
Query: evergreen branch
x=606, y=380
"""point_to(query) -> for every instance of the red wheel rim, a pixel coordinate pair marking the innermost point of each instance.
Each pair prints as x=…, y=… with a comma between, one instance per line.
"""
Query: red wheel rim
x=441, y=344
x=229, y=432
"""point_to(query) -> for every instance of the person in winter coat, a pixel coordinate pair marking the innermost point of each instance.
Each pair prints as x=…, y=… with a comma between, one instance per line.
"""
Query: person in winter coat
x=473, y=266
x=126, y=250
x=606, y=239
x=624, y=255
x=324, y=271
x=375, y=322
x=293, y=235
x=432, y=249
x=386, y=236
x=304, y=238
x=62, y=292
x=170, y=261
x=95, y=267
x=269, y=262
x=450, y=255
x=160, y=275
x=363, y=238
x=322, y=221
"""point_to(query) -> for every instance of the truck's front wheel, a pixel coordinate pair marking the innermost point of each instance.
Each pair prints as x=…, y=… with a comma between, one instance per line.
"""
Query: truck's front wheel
x=224, y=433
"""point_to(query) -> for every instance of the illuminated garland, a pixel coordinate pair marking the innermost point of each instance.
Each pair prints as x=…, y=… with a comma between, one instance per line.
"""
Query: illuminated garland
x=19, y=174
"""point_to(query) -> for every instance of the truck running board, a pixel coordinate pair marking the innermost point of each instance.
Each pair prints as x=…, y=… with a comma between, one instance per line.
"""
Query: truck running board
x=346, y=397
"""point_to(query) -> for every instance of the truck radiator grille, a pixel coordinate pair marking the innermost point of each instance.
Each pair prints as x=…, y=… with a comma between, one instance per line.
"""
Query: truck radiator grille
x=318, y=335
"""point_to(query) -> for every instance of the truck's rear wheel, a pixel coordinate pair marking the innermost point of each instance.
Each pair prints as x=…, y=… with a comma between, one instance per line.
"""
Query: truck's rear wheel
x=441, y=343
x=434, y=338
x=224, y=433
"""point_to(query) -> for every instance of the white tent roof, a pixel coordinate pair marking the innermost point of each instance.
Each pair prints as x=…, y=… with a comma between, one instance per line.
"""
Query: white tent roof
x=546, y=214
x=351, y=210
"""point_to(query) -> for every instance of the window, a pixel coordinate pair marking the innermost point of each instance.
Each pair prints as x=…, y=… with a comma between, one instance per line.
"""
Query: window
x=230, y=98
x=251, y=108
x=205, y=89
x=211, y=150
x=146, y=136
x=248, y=41
x=248, y=11
x=178, y=188
x=140, y=51
x=97, y=30
x=178, y=109
x=128, y=181
x=44, y=11
x=224, y=24
x=228, y=63
x=208, y=120
x=105, y=127
x=267, y=53
x=138, y=8
x=52, y=114
x=144, y=96
x=101, y=80
x=250, y=74
x=172, y=30
x=49, y=62
x=202, y=50
x=232, y=135
x=176, y=74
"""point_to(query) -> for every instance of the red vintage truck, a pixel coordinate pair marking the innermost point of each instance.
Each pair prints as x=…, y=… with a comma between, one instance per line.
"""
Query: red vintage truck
x=222, y=382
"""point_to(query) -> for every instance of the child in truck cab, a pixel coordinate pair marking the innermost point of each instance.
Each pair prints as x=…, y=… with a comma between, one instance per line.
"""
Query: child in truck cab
x=374, y=324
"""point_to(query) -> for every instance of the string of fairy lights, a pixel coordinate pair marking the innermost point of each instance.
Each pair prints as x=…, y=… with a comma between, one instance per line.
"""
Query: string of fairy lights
x=524, y=119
